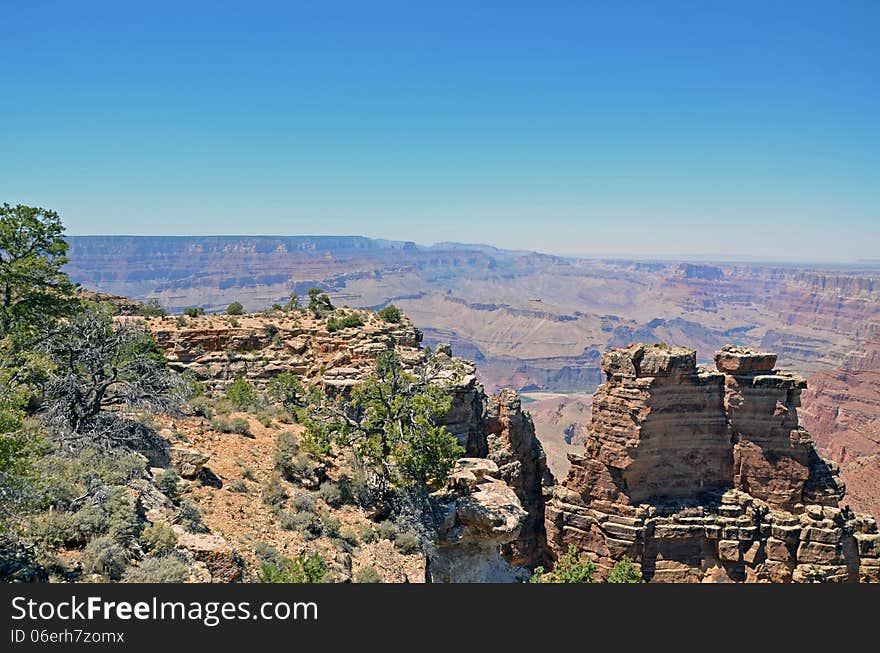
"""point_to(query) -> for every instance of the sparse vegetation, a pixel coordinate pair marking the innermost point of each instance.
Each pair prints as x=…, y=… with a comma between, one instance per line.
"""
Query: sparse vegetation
x=191, y=518
x=349, y=321
x=168, y=481
x=152, y=308
x=301, y=569
x=366, y=534
x=331, y=494
x=105, y=557
x=386, y=530
x=239, y=486
x=367, y=575
x=158, y=539
x=235, y=308
x=319, y=303
x=408, y=542
x=165, y=569
x=241, y=394
x=568, y=569
x=624, y=571
x=391, y=314
x=193, y=311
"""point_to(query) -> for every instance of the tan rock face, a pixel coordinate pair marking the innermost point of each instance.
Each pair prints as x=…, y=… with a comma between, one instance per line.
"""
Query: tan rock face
x=706, y=476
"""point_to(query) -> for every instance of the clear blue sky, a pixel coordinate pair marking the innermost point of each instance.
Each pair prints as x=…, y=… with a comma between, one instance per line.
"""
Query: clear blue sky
x=653, y=128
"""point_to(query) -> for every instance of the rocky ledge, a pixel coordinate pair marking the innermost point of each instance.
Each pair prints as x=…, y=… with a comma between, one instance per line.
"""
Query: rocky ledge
x=703, y=475
x=511, y=467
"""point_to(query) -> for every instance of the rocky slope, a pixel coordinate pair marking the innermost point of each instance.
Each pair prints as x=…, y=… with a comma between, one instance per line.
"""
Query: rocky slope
x=496, y=515
x=706, y=475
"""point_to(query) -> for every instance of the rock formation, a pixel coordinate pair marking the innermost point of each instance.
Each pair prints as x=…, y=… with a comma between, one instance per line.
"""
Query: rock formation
x=706, y=475
x=216, y=350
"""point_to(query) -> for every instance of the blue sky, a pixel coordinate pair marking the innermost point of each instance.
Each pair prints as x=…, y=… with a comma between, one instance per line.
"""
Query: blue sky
x=697, y=129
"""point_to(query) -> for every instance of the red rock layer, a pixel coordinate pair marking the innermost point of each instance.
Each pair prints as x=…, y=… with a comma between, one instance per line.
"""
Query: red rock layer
x=702, y=475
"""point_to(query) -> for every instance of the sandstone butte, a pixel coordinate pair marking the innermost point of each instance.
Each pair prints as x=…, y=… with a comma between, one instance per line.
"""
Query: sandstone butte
x=696, y=475
x=705, y=475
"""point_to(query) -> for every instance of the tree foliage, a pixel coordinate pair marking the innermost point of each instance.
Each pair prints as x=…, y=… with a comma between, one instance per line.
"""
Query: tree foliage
x=33, y=289
x=393, y=422
x=568, y=569
x=319, y=303
x=301, y=569
x=391, y=314
x=624, y=571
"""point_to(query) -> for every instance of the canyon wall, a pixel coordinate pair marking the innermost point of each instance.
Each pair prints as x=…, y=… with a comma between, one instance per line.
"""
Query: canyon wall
x=215, y=350
x=707, y=475
x=841, y=408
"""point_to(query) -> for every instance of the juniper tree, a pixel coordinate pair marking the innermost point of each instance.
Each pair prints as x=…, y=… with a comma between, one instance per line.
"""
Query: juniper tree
x=101, y=369
x=394, y=423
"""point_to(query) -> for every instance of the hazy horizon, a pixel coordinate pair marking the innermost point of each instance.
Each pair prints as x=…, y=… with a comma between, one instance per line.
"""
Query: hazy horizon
x=691, y=258
x=674, y=130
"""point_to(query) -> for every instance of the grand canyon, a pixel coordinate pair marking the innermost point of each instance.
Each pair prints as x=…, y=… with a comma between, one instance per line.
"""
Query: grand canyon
x=538, y=324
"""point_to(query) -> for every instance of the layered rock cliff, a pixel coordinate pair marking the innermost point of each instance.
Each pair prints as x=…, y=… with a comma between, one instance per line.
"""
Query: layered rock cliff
x=706, y=475
x=510, y=486
x=841, y=408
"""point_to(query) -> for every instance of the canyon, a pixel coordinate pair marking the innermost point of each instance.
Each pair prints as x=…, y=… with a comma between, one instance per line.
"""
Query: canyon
x=537, y=323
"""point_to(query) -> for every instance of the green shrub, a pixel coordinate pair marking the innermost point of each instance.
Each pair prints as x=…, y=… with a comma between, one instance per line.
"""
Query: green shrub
x=305, y=523
x=248, y=474
x=288, y=390
x=239, y=486
x=302, y=569
x=319, y=303
x=298, y=468
x=158, y=539
x=349, y=321
x=64, y=478
x=303, y=502
x=168, y=481
x=624, y=571
x=367, y=575
x=408, y=542
x=366, y=534
x=104, y=556
x=330, y=525
x=390, y=314
x=123, y=521
x=268, y=554
x=242, y=394
x=386, y=530
x=235, y=308
x=165, y=569
x=568, y=569
x=152, y=308
x=349, y=535
x=286, y=449
x=274, y=493
x=221, y=424
x=240, y=426
x=193, y=311
x=331, y=494
x=190, y=518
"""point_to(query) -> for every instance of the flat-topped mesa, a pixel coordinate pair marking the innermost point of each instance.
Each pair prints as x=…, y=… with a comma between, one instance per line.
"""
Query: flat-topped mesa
x=639, y=361
x=733, y=359
x=707, y=475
